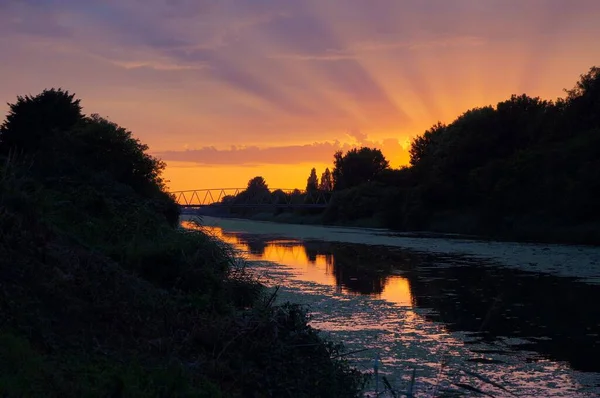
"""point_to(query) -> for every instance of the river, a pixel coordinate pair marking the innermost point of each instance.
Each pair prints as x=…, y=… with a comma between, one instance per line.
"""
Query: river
x=503, y=318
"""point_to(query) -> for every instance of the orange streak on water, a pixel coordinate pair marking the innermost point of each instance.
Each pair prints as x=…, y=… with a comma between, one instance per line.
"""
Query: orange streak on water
x=319, y=269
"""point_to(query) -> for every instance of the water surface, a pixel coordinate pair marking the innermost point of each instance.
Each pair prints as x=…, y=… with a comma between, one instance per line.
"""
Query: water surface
x=446, y=315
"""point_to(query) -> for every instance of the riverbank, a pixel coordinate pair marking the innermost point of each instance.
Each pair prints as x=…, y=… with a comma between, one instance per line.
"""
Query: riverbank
x=580, y=262
x=291, y=218
x=411, y=306
x=443, y=225
x=102, y=294
x=287, y=218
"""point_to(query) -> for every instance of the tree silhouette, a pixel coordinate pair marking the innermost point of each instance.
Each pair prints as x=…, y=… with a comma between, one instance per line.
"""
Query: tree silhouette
x=526, y=168
x=312, y=184
x=326, y=181
x=72, y=150
x=106, y=147
x=583, y=101
x=257, y=189
x=33, y=120
x=357, y=166
x=257, y=184
x=423, y=146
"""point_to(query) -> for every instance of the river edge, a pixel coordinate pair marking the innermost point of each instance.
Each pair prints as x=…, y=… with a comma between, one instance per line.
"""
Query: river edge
x=525, y=233
x=376, y=328
x=572, y=261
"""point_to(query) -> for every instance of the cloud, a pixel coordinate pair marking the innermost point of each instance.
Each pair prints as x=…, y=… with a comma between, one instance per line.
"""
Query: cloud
x=318, y=152
x=218, y=72
x=363, y=48
x=359, y=136
x=32, y=19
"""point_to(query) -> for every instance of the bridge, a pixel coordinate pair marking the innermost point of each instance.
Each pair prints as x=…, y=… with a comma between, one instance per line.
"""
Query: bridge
x=241, y=198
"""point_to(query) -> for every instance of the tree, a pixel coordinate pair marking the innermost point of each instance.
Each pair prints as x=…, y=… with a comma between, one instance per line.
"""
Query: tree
x=583, y=102
x=524, y=121
x=257, y=187
x=588, y=84
x=75, y=152
x=105, y=147
x=423, y=146
x=357, y=166
x=326, y=181
x=312, y=184
x=33, y=120
x=280, y=197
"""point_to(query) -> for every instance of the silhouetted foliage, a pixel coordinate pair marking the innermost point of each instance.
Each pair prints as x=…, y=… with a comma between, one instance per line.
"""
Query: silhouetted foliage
x=280, y=197
x=357, y=166
x=34, y=121
x=103, y=146
x=423, y=146
x=65, y=148
x=102, y=295
x=312, y=184
x=257, y=185
x=326, y=183
x=582, y=105
x=525, y=169
x=256, y=193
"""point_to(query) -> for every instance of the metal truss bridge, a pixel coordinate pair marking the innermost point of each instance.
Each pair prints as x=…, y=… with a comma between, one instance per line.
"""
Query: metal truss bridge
x=240, y=198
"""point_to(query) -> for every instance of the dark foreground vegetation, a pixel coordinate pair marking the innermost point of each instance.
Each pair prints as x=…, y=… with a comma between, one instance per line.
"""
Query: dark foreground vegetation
x=526, y=169
x=103, y=295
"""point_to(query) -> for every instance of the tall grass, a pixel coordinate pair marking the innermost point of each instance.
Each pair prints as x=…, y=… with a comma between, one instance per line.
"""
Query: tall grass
x=100, y=296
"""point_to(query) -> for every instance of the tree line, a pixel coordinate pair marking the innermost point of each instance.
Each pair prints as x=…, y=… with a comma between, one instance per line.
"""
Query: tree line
x=357, y=166
x=526, y=169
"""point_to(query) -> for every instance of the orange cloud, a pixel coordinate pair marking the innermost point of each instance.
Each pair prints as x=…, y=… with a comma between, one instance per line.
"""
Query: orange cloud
x=284, y=81
x=318, y=152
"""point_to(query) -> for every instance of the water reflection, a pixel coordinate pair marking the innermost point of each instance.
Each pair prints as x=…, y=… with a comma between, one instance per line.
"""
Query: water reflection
x=427, y=301
x=351, y=269
x=557, y=317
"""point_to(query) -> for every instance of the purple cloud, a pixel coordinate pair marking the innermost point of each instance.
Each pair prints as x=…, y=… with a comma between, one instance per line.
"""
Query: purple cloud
x=237, y=71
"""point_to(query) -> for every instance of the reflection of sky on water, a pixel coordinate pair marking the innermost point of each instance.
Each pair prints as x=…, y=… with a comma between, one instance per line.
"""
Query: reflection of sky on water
x=313, y=267
x=378, y=311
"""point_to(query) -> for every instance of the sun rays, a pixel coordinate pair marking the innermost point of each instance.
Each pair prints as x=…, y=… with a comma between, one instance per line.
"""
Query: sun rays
x=284, y=73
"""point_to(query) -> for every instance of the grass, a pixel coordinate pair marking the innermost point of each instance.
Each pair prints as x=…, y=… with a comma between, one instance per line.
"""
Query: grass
x=100, y=296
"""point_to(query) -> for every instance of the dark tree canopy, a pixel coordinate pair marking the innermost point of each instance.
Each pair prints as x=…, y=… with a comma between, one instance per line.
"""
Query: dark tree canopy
x=326, y=183
x=312, y=184
x=583, y=101
x=257, y=186
x=423, y=146
x=66, y=149
x=357, y=166
x=33, y=120
x=107, y=147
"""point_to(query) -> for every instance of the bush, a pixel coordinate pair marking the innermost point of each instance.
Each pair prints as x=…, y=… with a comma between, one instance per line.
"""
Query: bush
x=102, y=295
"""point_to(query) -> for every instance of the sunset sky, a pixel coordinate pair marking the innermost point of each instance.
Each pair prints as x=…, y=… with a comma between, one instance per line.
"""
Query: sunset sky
x=224, y=90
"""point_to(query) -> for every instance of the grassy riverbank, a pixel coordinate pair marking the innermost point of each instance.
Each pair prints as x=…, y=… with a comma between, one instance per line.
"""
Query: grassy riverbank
x=102, y=294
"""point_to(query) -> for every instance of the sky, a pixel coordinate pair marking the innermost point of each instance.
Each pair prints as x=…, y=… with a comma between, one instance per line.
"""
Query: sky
x=225, y=90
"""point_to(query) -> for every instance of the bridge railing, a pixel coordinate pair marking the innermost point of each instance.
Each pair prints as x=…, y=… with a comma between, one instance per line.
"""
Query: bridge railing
x=239, y=197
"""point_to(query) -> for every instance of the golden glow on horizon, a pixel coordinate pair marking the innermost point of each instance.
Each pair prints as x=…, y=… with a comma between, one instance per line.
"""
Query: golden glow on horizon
x=292, y=254
x=190, y=177
x=281, y=74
